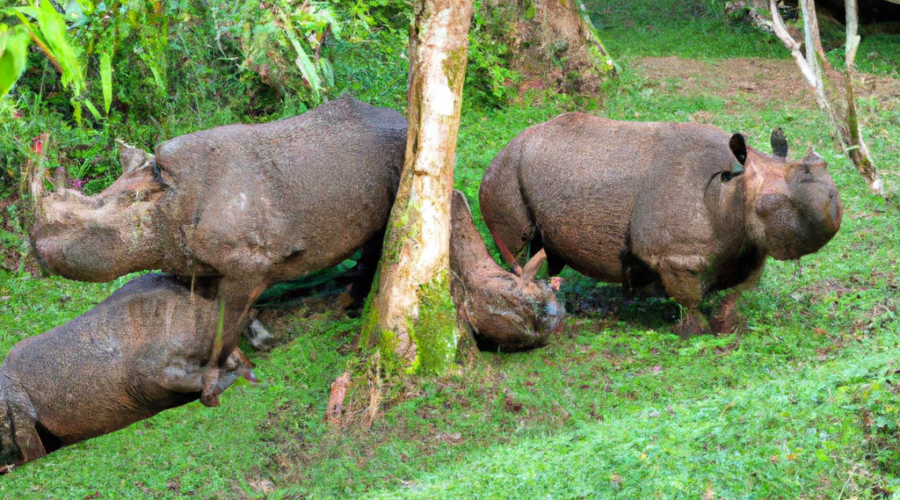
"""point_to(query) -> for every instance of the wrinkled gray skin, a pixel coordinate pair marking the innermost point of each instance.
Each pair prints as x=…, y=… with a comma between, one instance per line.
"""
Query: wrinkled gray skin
x=684, y=209
x=514, y=312
x=140, y=351
x=254, y=204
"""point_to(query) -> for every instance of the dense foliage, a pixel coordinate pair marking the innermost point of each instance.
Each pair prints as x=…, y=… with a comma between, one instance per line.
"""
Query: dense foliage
x=161, y=69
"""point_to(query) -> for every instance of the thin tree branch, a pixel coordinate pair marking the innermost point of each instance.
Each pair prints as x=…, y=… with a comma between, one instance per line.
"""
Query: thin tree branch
x=808, y=74
x=852, y=26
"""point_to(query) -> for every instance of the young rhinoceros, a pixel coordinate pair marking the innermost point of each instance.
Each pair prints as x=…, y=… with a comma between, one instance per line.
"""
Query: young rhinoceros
x=687, y=207
x=137, y=353
x=515, y=312
x=254, y=204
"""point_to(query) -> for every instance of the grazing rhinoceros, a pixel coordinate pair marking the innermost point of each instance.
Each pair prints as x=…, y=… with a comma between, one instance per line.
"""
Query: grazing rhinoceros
x=685, y=206
x=137, y=353
x=515, y=312
x=253, y=204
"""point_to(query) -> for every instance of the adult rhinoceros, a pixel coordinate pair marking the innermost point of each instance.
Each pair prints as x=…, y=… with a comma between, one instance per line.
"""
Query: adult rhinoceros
x=252, y=204
x=688, y=207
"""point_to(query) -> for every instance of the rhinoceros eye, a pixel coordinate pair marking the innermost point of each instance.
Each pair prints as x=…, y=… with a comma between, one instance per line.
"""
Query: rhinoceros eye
x=736, y=170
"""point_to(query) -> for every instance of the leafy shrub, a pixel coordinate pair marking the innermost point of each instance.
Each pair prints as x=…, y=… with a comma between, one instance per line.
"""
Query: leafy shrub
x=489, y=81
x=162, y=69
x=876, y=399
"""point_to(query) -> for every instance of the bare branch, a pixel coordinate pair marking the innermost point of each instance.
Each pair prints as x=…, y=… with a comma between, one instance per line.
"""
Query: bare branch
x=781, y=32
x=852, y=38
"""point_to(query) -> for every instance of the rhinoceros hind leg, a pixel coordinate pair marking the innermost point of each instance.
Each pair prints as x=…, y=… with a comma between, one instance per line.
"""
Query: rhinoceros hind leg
x=27, y=438
x=366, y=267
x=236, y=366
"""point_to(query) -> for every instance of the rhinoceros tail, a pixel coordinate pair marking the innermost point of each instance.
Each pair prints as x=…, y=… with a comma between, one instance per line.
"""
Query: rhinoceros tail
x=504, y=209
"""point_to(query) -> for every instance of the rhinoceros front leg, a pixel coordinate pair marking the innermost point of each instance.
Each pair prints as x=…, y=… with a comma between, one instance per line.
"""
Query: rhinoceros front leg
x=682, y=278
x=179, y=378
x=234, y=303
x=727, y=320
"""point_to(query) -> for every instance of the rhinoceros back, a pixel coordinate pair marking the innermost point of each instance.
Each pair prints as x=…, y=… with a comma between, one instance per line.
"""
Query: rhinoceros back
x=97, y=373
x=290, y=196
x=581, y=176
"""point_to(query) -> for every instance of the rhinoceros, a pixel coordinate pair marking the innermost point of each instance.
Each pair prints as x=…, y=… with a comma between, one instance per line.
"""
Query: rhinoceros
x=253, y=204
x=513, y=312
x=685, y=209
x=137, y=353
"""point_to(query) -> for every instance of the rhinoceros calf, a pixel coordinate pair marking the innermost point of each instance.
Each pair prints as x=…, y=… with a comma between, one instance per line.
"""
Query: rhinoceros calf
x=139, y=352
x=254, y=204
x=686, y=207
x=515, y=312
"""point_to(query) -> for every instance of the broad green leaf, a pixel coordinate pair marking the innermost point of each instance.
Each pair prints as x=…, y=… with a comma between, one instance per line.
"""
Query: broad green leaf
x=21, y=12
x=307, y=68
x=106, y=78
x=87, y=6
x=76, y=110
x=157, y=73
x=327, y=71
x=53, y=28
x=76, y=15
x=92, y=109
x=13, y=56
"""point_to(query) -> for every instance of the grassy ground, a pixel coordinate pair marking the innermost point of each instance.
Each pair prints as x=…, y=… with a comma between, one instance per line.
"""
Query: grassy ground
x=803, y=404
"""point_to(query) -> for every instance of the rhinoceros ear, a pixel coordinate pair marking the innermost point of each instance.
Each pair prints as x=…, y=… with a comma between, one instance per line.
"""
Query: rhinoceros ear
x=779, y=143
x=130, y=157
x=738, y=147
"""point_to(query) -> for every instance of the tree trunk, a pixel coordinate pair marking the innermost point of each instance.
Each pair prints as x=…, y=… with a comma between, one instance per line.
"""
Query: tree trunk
x=410, y=311
x=551, y=40
x=833, y=91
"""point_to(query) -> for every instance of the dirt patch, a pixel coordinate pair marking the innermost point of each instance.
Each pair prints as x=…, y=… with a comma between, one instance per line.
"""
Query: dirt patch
x=759, y=81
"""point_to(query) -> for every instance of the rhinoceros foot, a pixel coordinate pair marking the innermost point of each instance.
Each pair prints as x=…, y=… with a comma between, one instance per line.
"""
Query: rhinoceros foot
x=728, y=320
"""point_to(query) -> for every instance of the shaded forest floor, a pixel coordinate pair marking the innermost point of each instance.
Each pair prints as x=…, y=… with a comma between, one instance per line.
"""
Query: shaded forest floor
x=802, y=404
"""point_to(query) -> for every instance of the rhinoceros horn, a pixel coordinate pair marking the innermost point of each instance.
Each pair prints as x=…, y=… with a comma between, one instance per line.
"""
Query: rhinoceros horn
x=813, y=159
x=779, y=143
x=534, y=265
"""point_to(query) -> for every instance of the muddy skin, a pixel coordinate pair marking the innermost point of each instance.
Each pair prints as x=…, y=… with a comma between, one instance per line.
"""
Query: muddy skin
x=685, y=209
x=515, y=312
x=137, y=353
x=253, y=204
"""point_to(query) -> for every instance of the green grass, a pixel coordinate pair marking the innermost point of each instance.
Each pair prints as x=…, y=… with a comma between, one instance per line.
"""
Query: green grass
x=803, y=404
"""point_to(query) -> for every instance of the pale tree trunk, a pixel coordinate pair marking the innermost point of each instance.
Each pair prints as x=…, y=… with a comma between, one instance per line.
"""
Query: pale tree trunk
x=554, y=40
x=410, y=311
x=833, y=91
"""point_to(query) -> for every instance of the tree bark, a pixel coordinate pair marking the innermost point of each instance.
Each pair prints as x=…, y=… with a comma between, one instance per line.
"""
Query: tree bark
x=833, y=91
x=410, y=311
x=553, y=40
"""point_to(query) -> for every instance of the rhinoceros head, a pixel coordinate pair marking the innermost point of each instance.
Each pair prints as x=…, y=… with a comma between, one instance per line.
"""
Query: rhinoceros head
x=102, y=237
x=793, y=204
